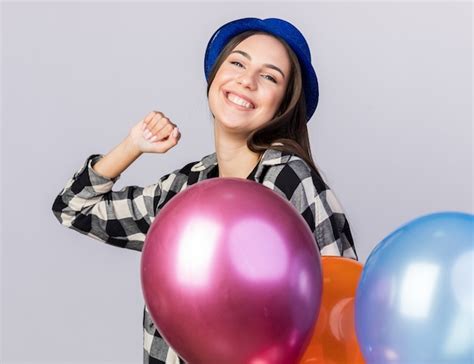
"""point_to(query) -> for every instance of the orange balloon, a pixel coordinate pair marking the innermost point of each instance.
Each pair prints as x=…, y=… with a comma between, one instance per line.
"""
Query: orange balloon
x=334, y=339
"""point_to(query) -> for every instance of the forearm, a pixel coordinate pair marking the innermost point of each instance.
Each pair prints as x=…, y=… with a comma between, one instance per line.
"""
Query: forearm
x=118, y=159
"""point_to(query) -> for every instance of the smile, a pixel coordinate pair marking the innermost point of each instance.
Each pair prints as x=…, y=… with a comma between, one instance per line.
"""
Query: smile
x=237, y=101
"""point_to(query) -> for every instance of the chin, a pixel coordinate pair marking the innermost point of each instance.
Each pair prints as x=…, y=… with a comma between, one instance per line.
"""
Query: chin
x=231, y=119
x=230, y=123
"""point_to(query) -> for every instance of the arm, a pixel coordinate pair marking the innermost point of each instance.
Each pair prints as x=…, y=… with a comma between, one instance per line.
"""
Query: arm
x=118, y=159
x=122, y=218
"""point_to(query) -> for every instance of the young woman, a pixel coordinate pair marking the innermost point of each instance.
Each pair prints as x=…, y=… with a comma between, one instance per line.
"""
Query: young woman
x=262, y=91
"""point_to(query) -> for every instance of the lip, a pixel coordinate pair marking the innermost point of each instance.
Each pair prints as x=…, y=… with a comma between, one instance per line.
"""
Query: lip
x=225, y=92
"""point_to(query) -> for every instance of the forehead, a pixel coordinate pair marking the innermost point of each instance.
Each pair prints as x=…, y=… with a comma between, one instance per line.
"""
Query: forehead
x=265, y=48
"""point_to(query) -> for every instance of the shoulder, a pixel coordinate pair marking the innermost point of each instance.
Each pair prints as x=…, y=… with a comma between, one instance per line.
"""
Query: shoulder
x=176, y=179
x=293, y=173
x=174, y=182
x=314, y=185
x=197, y=166
x=190, y=173
x=304, y=187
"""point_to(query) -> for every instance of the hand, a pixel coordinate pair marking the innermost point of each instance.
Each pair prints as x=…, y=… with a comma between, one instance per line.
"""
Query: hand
x=155, y=133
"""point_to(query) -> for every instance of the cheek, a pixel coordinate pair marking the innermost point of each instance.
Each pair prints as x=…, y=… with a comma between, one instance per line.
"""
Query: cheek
x=223, y=75
x=215, y=85
x=213, y=96
x=212, y=89
x=275, y=99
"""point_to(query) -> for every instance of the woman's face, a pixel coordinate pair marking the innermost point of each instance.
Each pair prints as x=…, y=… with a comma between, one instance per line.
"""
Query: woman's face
x=250, y=84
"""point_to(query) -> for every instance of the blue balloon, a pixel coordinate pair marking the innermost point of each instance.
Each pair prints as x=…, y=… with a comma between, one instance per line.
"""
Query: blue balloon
x=414, y=302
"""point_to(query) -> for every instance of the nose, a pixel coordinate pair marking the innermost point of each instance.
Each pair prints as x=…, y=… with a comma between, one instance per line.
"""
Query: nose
x=247, y=79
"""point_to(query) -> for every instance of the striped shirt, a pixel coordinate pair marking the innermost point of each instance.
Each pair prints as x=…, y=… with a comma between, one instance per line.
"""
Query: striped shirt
x=122, y=218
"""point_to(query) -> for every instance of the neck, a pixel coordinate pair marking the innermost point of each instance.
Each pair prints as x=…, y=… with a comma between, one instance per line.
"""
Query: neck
x=234, y=158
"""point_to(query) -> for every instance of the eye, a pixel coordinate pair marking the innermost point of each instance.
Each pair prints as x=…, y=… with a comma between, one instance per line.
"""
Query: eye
x=235, y=62
x=271, y=78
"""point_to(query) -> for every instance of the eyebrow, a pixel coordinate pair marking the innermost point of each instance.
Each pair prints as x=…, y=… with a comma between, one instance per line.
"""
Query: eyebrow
x=246, y=55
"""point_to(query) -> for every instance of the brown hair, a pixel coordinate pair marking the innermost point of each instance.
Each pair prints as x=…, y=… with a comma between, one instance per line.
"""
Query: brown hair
x=288, y=125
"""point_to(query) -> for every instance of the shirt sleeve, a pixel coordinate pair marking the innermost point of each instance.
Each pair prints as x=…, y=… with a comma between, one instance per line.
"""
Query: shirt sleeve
x=317, y=204
x=122, y=218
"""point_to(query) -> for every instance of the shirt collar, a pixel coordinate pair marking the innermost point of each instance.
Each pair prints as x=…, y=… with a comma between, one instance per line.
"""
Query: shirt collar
x=270, y=157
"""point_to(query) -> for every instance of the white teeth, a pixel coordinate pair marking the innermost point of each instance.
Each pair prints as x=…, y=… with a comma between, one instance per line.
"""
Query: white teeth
x=237, y=100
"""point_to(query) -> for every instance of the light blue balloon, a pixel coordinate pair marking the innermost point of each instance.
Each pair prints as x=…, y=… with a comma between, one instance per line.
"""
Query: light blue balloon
x=414, y=302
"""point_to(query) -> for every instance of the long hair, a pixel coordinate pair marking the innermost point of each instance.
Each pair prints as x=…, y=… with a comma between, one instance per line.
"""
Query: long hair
x=288, y=126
